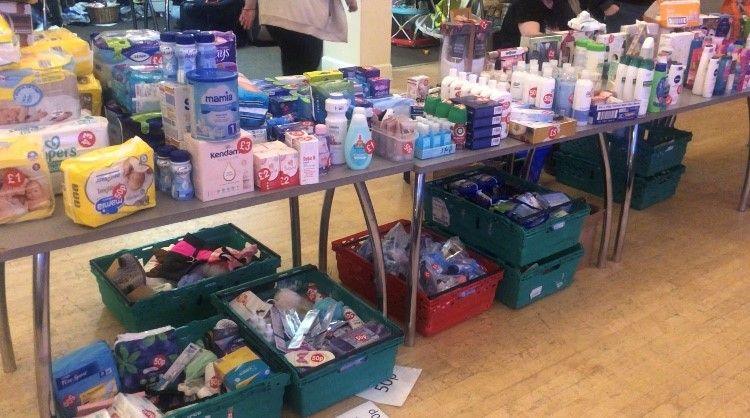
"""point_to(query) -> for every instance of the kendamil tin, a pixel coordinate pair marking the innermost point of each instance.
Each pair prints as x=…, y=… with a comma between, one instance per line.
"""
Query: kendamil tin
x=215, y=113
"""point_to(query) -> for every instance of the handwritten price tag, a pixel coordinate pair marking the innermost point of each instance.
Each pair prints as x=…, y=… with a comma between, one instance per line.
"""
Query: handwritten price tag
x=395, y=390
x=366, y=410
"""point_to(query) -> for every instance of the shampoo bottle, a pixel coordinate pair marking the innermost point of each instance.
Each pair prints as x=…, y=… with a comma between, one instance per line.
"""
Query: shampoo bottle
x=565, y=92
x=628, y=87
x=445, y=90
x=712, y=72
x=725, y=66
x=643, y=82
x=659, y=89
x=582, y=98
x=545, y=90
x=622, y=69
x=358, y=147
x=694, y=58
x=675, y=78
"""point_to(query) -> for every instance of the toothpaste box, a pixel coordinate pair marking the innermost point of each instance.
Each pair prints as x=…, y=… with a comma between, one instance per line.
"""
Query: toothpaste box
x=379, y=87
x=222, y=168
x=275, y=165
x=175, y=111
x=417, y=87
x=309, y=154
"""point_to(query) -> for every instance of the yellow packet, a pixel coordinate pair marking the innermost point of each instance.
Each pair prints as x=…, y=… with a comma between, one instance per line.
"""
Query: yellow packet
x=109, y=183
x=25, y=185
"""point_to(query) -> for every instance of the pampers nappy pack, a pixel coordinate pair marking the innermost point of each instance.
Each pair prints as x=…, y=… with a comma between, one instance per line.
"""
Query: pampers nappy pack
x=63, y=40
x=84, y=376
x=129, y=47
x=25, y=186
x=221, y=169
x=39, y=90
x=109, y=183
x=65, y=140
x=90, y=95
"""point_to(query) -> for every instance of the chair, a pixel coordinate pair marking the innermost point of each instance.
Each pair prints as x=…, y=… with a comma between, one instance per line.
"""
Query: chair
x=406, y=33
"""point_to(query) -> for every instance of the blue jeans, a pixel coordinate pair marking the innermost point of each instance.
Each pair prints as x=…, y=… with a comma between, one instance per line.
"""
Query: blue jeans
x=627, y=15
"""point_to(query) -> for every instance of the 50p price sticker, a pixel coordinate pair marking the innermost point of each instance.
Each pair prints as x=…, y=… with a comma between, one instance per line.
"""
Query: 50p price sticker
x=366, y=410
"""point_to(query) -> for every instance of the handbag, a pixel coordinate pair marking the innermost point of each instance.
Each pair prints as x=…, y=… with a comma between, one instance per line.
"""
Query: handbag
x=323, y=19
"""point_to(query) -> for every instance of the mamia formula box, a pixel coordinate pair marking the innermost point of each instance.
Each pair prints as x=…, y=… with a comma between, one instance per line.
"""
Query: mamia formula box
x=215, y=111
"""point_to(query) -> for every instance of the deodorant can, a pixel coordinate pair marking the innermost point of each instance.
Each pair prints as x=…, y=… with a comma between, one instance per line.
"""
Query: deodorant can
x=675, y=78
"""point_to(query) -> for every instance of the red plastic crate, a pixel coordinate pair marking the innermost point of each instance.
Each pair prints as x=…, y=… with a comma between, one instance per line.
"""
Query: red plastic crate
x=434, y=314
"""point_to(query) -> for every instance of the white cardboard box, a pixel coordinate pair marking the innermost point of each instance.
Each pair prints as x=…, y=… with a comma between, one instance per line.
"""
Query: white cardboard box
x=221, y=169
x=175, y=111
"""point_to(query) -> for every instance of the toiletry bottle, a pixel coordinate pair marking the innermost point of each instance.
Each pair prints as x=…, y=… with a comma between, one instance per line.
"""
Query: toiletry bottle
x=458, y=117
x=477, y=89
x=469, y=86
x=647, y=49
x=700, y=74
x=675, y=77
x=579, y=55
x=605, y=83
x=657, y=102
x=725, y=65
x=595, y=54
x=712, y=71
x=529, y=92
x=336, y=107
x=502, y=82
x=163, y=168
x=445, y=91
x=489, y=89
x=182, y=183
x=459, y=85
x=358, y=147
x=168, y=57
x=517, y=81
x=546, y=90
x=628, y=87
x=582, y=98
x=694, y=59
x=622, y=69
x=324, y=152
x=643, y=81
x=186, y=51
x=566, y=91
x=206, y=51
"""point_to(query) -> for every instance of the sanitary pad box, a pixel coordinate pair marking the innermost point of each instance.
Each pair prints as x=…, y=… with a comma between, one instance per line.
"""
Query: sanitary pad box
x=65, y=140
x=221, y=169
x=109, y=183
x=84, y=376
x=226, y=50
x=175, y=111
x=276, y=165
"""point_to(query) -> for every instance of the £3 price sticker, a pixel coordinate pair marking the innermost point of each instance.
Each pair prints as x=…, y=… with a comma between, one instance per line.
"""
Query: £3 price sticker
x=244, y=145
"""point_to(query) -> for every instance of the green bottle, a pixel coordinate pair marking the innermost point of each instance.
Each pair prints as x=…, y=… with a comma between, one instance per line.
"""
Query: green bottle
x=657, y=101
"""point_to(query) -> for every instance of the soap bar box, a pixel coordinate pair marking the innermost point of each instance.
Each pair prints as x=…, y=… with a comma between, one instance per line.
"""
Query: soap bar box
x=539, y=132
x=221, y=168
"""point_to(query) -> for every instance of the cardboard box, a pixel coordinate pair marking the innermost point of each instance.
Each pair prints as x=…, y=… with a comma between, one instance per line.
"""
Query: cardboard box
x=223, y=168
x=614, y=112
x=175, y=110
x=417, y=87
x=539, y=132
x=616, y=44
x=543, y=48
x=275, y=166
x=307, y=147
x=680, y=42
x=679, y=13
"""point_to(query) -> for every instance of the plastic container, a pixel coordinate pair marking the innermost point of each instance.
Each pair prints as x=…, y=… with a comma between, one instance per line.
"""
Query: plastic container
x=393, y=147
x=315, y=389
x=434, y=314
x=168, y=56
x=262, y=399
x=496, y=234
x=215, y=112
x=336, y=107
x=181, y=305
x=528, y=284
x=207, y=51
x=359, y=146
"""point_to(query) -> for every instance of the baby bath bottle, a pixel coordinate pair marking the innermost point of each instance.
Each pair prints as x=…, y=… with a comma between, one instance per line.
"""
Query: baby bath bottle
x=359, y=146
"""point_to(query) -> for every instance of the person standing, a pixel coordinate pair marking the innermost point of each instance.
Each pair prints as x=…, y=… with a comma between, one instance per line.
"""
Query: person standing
x=530, y=18
x=299, y=28
x=620, y=12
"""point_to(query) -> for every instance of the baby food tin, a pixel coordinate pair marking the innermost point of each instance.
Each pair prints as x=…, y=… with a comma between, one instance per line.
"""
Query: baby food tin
x=215, y=111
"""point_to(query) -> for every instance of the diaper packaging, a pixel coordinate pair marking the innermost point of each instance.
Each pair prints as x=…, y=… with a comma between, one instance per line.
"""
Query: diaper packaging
x=175, y=111
x=136, y=87
x=25, y=185
x=109, y=183
x=41, y=89
x=84, y=376
x=63, y=40
x=226, y=50
x=276, y=166
x=90, y=95
x=10, y=51
x=221, y=169
x=129, y=47
x=65, y=140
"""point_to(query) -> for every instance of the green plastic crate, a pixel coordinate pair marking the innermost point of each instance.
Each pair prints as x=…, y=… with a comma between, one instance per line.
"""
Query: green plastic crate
x=588, y=177
x=181, y=305
x=262, y=399
x=658, y=149
x=528, y=284
x=496, y=234
x=318, y=388
x=586, y=148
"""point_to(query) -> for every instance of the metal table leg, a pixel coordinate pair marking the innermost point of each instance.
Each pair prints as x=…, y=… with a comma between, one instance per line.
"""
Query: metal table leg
x=608, y=204
x=745, y=197
x=325, y=218
x=416, y=231
x=529, y=161
x=42, y=352
x=630, y=175
x=296, y=239
x=6, y=342
x=377, y=248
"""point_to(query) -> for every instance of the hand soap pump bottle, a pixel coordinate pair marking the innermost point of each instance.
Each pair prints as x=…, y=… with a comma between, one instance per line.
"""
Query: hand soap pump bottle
x=358, y=147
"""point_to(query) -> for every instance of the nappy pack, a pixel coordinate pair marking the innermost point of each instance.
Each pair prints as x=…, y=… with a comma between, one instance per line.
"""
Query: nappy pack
x=65, y=41
x=109, y=183
x=25, y=185
x=223, y=168
x=129, y=47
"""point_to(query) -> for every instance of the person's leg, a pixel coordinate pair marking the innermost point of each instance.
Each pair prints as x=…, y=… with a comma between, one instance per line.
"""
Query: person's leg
x=627, y=15
x=299, y=52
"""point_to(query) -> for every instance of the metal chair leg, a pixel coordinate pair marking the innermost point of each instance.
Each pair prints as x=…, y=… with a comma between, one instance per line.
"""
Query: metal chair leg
x=623, y=226
x=6, y=341
x=325, y=219
x=745, y=197
x=608, y=204
x=416, y=231
x=42, y=350
x=377, y=247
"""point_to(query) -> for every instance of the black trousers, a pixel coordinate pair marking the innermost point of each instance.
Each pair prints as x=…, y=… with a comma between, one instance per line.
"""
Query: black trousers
x=299, y=52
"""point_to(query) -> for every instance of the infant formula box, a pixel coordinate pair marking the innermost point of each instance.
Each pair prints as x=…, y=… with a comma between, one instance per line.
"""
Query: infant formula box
x=215, y=112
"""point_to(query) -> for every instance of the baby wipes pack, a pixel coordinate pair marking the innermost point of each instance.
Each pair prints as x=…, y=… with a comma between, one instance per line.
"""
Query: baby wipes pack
x=109, y=183
x=63, y=141
x=25, y=186
x=84, y=376
x=39, y=90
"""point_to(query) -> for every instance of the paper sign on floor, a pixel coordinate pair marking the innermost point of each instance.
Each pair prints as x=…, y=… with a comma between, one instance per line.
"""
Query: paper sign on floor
x=366, y=410
x=395, y=390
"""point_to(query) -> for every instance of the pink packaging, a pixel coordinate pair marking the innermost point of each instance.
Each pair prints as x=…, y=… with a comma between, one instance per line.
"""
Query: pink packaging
x=221, y=169
x=309, y=154
x=275, y=165
x=226, y=50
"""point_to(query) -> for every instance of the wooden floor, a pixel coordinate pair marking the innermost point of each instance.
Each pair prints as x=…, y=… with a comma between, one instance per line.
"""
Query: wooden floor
x=664, y=333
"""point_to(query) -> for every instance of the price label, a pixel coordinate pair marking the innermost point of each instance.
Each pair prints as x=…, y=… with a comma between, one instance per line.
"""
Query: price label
x=394, y=390
x=244, y=145
x=366, y=410
x=14, y=177
x=86, y=139
x=370, y=146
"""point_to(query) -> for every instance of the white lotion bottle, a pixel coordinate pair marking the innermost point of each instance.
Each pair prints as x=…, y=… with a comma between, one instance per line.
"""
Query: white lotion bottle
x=470, y=85
x=711, y=73
x=619, y=82
x=529, y=90
x=458, y=85
x=477, y=89
x=628, y=87
x=700, y=76
x=546, y=90
x=489, y=89
x=445, y=85
x=582, y=98
x=503, y=83
x=643, y=80
x=517, y=80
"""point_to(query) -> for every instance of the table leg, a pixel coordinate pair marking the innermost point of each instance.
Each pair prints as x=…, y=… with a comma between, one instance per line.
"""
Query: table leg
x=608, y=204
x=745, y=197
x=630, y=176
x=296, y=238
x=529, y=161
x=416, y=231
x=6, y=342
x=325, y=218
x=42, y=351
x=377, y=247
